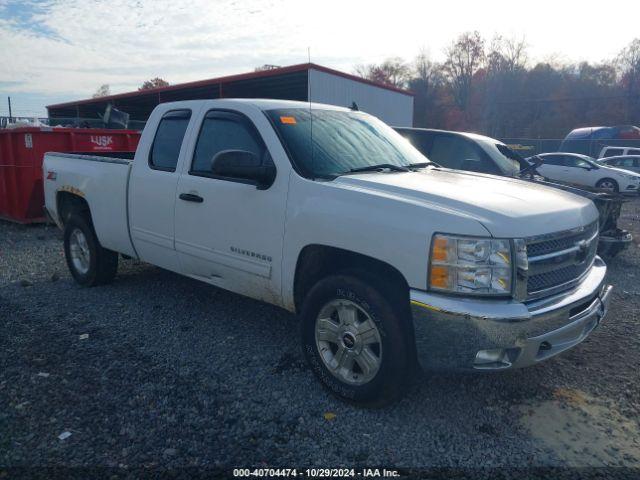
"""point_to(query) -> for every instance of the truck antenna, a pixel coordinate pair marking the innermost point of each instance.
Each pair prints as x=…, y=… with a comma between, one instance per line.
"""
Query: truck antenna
x=310, y=112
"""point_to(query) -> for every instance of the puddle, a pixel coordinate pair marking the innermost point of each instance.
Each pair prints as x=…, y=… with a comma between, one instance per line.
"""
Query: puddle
x=583, y=431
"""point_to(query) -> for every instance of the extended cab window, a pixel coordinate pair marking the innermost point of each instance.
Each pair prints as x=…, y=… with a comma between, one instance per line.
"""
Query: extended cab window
x=168, y=140
x=224, y=131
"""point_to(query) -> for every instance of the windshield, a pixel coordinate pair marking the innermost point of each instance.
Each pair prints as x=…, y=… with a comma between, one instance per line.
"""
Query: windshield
x=342, y=141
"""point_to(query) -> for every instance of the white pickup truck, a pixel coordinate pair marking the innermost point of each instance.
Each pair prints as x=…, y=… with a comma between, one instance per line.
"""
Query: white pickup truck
x=389, y=260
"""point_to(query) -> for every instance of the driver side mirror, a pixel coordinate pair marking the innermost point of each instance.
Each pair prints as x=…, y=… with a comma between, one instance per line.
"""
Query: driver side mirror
x=243, y=165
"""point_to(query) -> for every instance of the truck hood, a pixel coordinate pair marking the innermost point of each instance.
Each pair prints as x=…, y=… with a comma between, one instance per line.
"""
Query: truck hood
x=506, y=207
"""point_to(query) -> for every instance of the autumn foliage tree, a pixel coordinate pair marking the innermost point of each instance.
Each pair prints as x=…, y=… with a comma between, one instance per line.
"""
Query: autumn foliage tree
x=153, y=83
x=393, y=71
x=494, y=88
x=102, y=91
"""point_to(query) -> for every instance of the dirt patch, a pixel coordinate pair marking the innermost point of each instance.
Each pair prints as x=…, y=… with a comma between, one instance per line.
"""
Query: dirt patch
x=583, y=431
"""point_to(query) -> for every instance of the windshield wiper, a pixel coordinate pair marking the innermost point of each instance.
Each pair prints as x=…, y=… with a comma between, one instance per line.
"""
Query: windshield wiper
x=380, y=166
x=421, y=164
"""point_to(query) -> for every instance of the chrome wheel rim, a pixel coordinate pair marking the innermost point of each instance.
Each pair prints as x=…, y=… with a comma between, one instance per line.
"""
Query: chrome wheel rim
x=348, y=341
x=79, y=251
x=607, y=185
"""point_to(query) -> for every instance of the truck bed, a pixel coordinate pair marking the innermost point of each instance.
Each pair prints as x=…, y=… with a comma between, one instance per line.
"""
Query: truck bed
x=103, y=182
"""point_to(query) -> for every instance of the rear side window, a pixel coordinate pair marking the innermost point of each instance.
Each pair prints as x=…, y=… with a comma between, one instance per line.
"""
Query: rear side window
x=168, y=140
x=612, y=152
x=224, y=131
x=633, y=151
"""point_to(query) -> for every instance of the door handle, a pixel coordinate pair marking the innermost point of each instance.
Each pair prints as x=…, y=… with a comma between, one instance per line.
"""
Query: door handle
x=191, y=197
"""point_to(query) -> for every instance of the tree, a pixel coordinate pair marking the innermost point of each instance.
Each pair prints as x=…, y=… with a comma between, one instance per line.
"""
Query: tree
x=494, y=89
x=103, y=91
x=153, y=83
x=393, y=71
x=506, y=61
x=426, y=82
x=266, y=67
x=507, y=55
x=629, y=64
x=465, y=57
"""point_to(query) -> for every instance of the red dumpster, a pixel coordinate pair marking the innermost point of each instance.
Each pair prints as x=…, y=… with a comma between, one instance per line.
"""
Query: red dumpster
x=21, y=153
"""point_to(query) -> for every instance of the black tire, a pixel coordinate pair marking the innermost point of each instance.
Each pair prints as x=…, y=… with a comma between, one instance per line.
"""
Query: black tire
x=601, y=182
x=102, y=264
x=394, y=372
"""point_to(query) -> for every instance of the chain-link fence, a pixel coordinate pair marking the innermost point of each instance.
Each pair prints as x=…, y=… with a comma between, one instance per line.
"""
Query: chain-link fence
x=594, y=148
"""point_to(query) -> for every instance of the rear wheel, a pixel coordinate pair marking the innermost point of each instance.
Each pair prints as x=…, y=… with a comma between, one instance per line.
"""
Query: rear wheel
x=89, y=262
x=608, y=184
x=355, y=341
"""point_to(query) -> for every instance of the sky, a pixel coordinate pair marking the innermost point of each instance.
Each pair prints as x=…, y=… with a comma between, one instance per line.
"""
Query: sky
x=60, y=50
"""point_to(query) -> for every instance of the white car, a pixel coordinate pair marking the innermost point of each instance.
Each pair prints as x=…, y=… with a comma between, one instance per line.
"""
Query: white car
x=617, y=151
x=387, y=258
x=625, y=162
x=585, y=171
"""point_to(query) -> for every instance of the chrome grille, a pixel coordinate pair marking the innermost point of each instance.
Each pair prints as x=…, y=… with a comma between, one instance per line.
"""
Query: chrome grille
x=558, y=261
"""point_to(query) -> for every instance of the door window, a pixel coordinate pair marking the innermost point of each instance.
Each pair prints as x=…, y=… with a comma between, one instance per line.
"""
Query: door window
x=224, y=131
x=624, y=162
x=577, y=162
x=458, y=153
x=420, y=140
x=633, y=151
x=555, y=160
x=168, y=140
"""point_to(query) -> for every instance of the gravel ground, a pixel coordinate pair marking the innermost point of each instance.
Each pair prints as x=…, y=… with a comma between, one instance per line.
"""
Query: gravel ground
x=176, y=373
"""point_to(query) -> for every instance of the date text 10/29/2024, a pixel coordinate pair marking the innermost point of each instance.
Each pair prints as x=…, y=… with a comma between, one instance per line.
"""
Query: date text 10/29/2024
x=316, y=472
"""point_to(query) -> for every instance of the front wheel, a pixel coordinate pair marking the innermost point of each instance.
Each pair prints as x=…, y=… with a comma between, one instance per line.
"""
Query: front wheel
x=355, y=341
x=608, y=184
x=90, y=264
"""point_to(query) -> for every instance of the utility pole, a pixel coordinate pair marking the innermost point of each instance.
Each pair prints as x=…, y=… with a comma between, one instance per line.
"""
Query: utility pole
x=9, y=100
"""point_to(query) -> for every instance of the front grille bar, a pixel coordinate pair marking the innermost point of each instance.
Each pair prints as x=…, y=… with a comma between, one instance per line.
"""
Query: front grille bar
x=549, y=265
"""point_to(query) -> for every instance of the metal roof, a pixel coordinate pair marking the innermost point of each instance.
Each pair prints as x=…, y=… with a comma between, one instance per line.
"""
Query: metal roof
x=231, y=78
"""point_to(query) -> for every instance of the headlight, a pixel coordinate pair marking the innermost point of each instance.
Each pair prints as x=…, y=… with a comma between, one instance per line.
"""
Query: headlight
x=480, y=266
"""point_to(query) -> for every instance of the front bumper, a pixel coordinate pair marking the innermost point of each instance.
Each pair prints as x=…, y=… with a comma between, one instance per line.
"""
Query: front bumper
x=477, y=334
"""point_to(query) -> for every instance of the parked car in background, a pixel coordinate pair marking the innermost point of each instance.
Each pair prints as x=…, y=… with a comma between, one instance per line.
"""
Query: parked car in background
x=465, y=151
x=469, y=151
x=618, y=151
x=625, y=162
x=590, y=140
x=583, y=170
x=387, y=258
